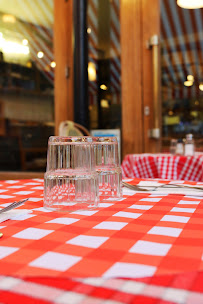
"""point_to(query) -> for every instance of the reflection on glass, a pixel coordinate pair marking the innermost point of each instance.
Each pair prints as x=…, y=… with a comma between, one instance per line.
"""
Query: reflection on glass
x=26, y=84
x=182, y=61
x=104, y=53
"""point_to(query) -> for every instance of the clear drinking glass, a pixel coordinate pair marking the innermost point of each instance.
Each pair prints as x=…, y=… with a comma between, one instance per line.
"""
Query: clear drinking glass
x=70, y=181
x=108, y=166
x=173, y=145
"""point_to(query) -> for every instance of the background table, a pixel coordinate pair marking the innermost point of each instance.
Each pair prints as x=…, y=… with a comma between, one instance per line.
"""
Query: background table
x=163, y=166
x=144, y=248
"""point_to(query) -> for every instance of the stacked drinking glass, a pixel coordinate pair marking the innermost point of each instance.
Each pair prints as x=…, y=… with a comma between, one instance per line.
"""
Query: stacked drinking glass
x=81, y=171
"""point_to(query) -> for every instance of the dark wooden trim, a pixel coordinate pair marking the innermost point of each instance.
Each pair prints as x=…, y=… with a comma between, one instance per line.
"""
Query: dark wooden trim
x=80, y=63
x=4, y=175
x=151, y=19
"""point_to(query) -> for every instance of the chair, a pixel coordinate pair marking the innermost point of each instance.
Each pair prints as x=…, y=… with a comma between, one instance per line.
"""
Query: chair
x=70, y=128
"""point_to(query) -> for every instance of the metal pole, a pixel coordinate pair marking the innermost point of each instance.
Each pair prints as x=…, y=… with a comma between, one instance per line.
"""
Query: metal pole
x=80, y=63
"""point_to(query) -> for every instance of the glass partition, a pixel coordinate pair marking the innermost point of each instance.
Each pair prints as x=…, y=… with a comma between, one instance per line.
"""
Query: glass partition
x=104, y=68
x=182, y=72
x=26, y=83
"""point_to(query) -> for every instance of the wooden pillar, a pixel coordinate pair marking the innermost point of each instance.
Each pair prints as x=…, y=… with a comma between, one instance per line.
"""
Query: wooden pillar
x=131, y=77
x=140, y=19
x=63, y=53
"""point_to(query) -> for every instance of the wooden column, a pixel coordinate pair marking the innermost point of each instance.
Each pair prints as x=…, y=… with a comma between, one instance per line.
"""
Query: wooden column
x=140, y=19
x=131, y=77
x=63, y=53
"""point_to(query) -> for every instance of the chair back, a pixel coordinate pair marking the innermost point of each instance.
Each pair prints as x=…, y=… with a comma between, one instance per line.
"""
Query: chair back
x=70, y=128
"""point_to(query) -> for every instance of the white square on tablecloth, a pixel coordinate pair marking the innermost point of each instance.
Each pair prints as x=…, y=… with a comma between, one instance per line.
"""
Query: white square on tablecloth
x=127, y=214
x=182, y=209
x=6, y=196
x=23, y=217
x=5, y=251
x=85, y=212
x=11, y=181
x=15, y=187
x=129, y=192
x=55, y=261
x=8, y=283
x=150, y=248
x=182, y=202
x=141, y=207
x=32, y=233
x=31, y=184
x=76, y=298
x=175, y=218
x=38, y=188
x=88, y=241
x=168, y=231
x=63, y=220
x=129, y=270
x=105, y=205
x=42, y=209
x=110, y=225
x=35, y=199
x=150, y=199
x=23, y=192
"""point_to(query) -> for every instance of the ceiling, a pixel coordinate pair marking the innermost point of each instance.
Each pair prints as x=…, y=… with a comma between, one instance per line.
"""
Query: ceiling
x=37, y=12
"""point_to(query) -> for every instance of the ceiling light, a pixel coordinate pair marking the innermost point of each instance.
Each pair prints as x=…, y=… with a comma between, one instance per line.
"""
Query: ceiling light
x=104, y=103
x=201, y=86
x=53, y=64
x=10, y=47
x=9, y=18
x=103, y=87
x=25, y=42
x=40, y=54
x=190, y=77
x=188, y=83
x=190, y=4
x=92, y=74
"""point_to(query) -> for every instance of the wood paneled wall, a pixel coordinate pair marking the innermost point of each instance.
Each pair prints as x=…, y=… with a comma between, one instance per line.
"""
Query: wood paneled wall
x=63, y=53
x=139, y=21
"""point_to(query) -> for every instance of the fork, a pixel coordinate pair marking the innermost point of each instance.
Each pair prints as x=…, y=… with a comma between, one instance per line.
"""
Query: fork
x=13, y=205
x=136, y=187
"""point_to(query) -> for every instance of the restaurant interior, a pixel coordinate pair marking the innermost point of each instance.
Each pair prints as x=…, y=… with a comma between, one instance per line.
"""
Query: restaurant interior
x=101, y=151
x=103, y=68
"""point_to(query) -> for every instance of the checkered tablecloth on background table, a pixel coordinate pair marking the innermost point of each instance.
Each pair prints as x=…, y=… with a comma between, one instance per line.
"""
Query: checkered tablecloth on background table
x=163, y=166
x=144, y=248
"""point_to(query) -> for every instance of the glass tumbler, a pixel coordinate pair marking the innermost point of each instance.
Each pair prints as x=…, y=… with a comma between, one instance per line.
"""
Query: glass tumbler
x=108, y=167
x=70, y=181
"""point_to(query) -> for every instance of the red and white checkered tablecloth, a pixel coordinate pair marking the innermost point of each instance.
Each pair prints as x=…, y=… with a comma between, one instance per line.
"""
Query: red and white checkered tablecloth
x=144, y=248
x=165, y=166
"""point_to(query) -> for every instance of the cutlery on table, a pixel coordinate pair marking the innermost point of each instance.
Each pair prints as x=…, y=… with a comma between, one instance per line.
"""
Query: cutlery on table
x=174, y=186
x=13, y=205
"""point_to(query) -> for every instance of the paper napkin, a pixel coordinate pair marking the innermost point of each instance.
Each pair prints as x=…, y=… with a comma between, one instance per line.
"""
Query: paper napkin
x=14, y=214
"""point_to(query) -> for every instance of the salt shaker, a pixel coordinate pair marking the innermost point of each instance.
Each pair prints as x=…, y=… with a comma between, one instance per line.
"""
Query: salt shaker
x=189, y=145
x=180, y=147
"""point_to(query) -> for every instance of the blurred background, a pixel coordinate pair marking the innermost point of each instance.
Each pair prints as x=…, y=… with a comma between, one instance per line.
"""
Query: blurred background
x=31, y=39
